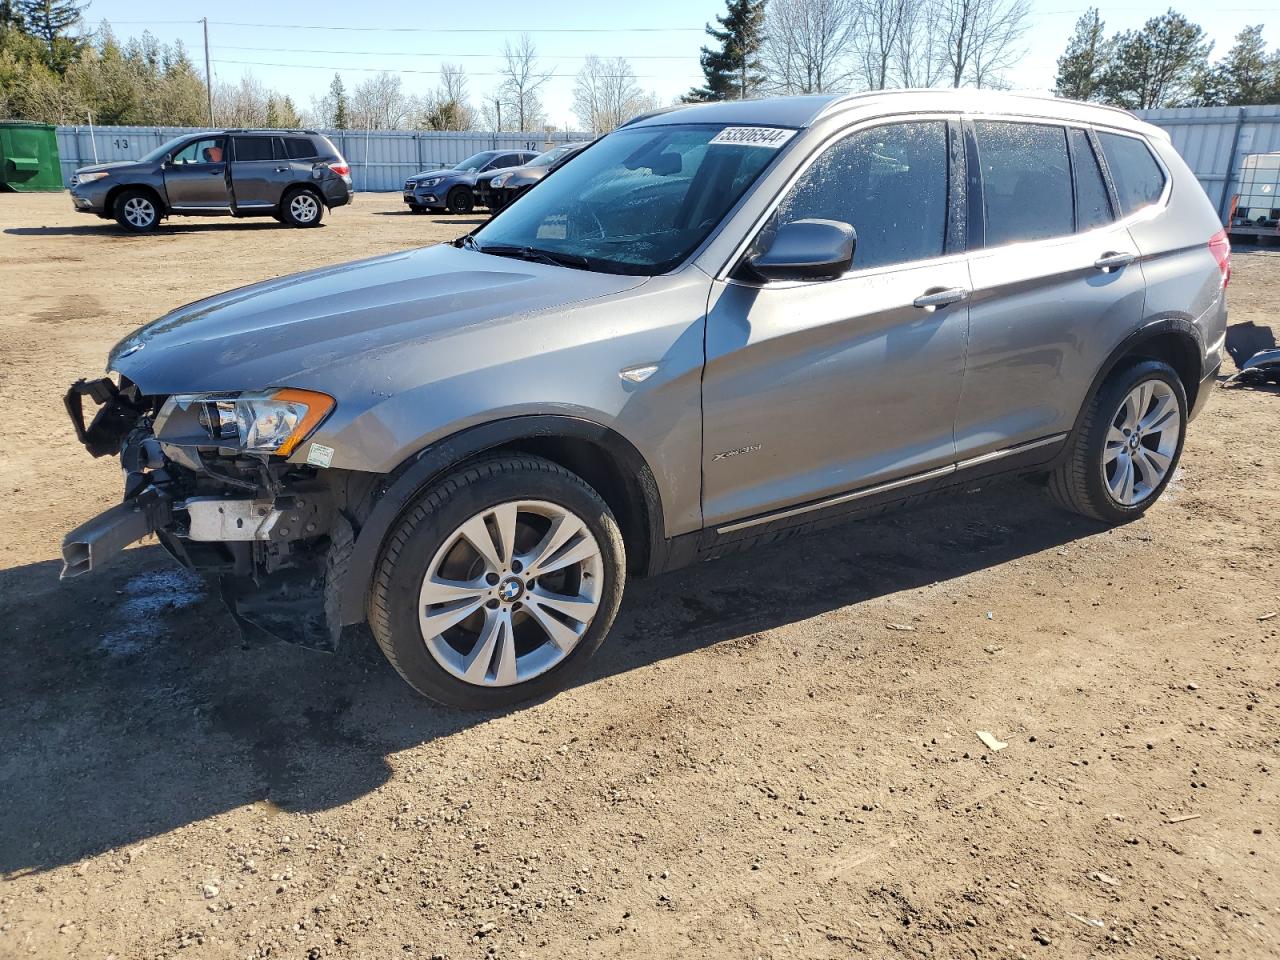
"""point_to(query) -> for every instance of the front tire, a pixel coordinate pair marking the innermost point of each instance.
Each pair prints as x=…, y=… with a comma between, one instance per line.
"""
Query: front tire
x=460, y=200
x=498, y=583
x=1128, y=447
x=137, y=211
x=301, y=207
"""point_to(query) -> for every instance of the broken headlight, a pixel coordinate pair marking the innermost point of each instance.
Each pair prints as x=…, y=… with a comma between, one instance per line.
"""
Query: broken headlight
x=272, y=421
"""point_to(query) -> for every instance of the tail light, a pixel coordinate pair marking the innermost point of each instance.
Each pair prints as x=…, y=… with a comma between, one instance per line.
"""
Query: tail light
x=1220, y=247
x=341, y=168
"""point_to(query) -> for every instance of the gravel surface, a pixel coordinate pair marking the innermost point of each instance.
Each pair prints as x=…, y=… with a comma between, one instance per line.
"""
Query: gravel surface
x=774, y=755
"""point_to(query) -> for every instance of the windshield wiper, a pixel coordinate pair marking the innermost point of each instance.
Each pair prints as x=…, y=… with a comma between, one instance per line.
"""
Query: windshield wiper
x=533, y=253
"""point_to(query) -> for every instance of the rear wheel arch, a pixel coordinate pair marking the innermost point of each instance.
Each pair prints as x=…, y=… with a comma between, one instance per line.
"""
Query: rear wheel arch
x=602, y=457
x=1173, y=340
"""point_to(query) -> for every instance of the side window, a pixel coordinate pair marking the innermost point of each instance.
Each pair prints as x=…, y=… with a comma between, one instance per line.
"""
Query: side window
x=1093, y=206
x=253, y=148
x=208, y=150
x=507, y=160
x=889, y=183
x=1026, y=181
x=299, y=148
x=1138, y=178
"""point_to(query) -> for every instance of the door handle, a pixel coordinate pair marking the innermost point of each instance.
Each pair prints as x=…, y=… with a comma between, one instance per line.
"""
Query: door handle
x=940, y=297
x=1113, y=261
x=282, y=169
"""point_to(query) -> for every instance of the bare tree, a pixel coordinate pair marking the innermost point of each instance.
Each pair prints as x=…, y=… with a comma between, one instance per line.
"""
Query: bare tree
x=605, y=94
x=882, y=24
x=379, y=103
x=918, y=57
x=522, y=79
x=243, y=104
x=495, y=112
x=447, y=107
x=980, y=38
x=807, y=44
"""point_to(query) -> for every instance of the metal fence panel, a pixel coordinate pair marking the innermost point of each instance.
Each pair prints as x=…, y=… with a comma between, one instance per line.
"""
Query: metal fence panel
x=379, y=159
x=1215, y=140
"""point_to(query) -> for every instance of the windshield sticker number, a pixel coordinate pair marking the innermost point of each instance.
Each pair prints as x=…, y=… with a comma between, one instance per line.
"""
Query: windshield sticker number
x=769, y=137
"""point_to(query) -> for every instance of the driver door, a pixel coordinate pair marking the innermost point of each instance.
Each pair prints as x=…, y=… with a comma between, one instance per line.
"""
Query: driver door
x=195, y=178
x=816, y=389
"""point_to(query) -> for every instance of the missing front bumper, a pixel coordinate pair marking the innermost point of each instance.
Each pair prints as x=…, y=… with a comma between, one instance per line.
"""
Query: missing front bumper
x=96, y=543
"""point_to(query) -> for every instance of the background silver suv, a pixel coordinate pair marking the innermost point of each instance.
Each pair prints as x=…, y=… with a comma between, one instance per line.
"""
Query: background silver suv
x=714, y=326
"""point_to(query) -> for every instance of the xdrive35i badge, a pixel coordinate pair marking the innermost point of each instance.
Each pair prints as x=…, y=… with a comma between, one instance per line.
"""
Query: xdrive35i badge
x=749, y=448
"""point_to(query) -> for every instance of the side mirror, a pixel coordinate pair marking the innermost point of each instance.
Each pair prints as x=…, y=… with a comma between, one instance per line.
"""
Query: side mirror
x=806, y=250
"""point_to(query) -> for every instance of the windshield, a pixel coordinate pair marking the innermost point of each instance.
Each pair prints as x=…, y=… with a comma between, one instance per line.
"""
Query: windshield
x=472, y=164
x=551, y=156
x=639, y=201
x=165, y=149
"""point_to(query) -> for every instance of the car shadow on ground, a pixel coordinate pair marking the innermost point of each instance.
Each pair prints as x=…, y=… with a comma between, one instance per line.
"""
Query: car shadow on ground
x=129, y=706
x=441, y=217
x=99, y=229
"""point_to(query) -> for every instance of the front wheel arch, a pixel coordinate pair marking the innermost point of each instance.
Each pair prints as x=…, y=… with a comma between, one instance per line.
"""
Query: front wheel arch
x=629, y=488
x=162, y=208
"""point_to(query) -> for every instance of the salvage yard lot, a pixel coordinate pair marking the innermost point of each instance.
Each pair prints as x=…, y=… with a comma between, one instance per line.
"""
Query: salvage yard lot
x=773, y=756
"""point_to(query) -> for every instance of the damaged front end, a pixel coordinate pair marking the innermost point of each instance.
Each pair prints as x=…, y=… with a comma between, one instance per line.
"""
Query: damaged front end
x=209, y=476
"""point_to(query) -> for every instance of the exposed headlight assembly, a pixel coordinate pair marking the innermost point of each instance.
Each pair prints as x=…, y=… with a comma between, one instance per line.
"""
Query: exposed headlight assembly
x=430, y=181
x=498, y=181
x=90, y=177
x=270, y=422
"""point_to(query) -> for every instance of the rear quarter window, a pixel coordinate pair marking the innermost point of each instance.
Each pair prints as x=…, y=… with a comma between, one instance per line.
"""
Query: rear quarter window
x=300, y=148
x=1138, y=178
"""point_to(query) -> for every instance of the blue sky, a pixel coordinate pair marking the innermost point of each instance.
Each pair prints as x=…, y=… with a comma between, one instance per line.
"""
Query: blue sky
x=665, y=61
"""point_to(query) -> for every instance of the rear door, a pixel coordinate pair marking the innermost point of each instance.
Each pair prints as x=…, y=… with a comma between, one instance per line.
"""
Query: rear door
x=1055, y=284
x=815, y=389
x=195, y=177
x=259, y=172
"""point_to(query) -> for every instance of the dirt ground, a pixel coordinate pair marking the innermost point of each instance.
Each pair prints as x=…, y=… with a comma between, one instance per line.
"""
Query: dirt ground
x=774, y=755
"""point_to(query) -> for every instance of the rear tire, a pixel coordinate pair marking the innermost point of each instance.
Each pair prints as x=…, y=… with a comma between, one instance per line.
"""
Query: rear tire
x=137, y=211
x=469, y=626
x=460, y=200
x=301, y=207
x=1128, y=446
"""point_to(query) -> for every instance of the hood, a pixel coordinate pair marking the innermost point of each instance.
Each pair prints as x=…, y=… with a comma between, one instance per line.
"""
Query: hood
x=112, y=165
x=522, y=175
x=316, y=329
x=448, y=173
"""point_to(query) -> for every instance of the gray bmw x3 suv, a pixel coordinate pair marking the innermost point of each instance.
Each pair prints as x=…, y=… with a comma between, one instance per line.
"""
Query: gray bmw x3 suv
x=715, y=326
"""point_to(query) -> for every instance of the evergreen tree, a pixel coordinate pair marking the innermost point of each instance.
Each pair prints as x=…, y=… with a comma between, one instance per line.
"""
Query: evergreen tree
x=51, y=21
x=1081, y=67
x=733, y=71
x=10, y=16
x=338, y=94
x=1247, y=74
x=1161, y=65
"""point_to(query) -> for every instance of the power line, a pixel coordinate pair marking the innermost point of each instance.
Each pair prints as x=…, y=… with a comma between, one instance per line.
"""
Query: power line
x=423, y=53
x=429, y=73
x=316, y=26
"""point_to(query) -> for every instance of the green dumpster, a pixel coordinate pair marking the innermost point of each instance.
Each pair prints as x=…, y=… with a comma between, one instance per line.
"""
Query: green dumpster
x=29, y=157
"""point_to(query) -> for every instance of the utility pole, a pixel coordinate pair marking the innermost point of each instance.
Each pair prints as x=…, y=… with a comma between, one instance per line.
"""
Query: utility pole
x=208, y=74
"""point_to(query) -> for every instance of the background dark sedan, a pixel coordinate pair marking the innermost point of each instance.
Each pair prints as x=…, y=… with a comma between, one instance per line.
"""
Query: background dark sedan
x=497, y=188
x=453, y=188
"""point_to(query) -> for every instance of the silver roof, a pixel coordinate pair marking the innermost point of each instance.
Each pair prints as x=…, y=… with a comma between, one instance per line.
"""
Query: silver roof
x=805, y=111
